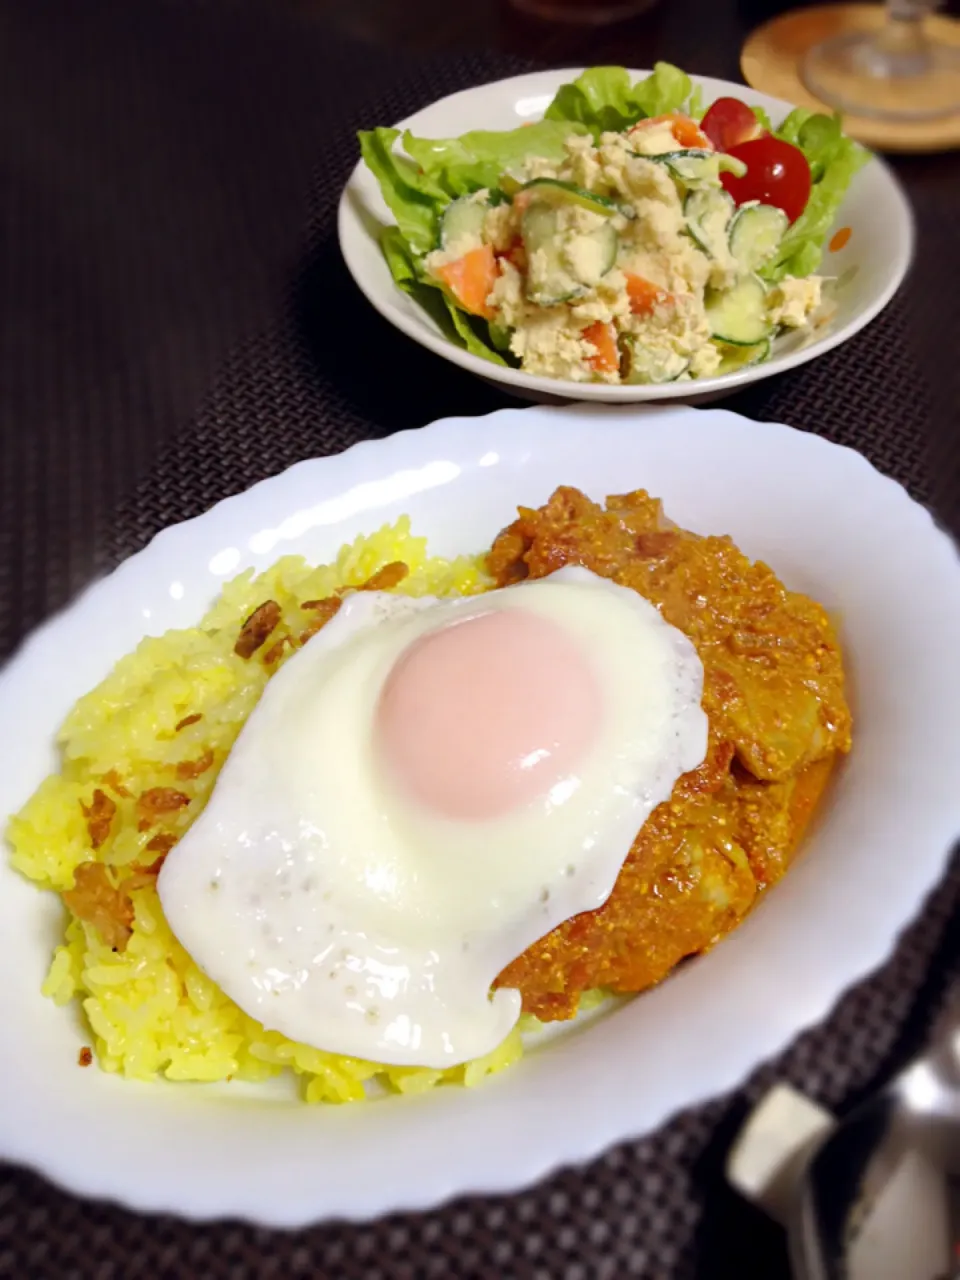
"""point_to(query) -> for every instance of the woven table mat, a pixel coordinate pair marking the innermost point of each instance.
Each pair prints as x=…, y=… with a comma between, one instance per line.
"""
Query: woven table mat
x=177, y=324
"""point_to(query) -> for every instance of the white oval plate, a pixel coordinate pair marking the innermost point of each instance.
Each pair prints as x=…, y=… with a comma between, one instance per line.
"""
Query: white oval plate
x=826, y=521
x=869, y=269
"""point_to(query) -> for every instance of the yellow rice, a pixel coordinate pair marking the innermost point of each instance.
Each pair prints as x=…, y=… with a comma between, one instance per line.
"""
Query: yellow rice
x=150, y=1009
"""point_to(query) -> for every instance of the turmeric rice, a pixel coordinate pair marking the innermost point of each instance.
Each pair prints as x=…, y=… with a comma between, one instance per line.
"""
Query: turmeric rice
x=140, y=755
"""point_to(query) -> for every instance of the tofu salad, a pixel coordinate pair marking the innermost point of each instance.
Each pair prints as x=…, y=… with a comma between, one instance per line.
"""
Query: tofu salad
x=628, y=237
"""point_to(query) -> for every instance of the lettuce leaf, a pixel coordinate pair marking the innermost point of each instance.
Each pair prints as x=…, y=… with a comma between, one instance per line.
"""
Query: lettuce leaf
x=476, y=160
x=464, y=330
x=604, y=100
x=834, y=159
x=415, y=202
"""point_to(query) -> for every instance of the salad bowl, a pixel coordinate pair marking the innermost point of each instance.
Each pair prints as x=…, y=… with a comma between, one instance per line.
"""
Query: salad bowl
x=854, y=230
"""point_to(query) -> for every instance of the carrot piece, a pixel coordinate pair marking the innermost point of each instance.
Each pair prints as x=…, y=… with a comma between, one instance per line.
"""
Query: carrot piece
x=471, y=279
x=841, y=239
x=604, y=338
x=644, y=295
x=687, y=132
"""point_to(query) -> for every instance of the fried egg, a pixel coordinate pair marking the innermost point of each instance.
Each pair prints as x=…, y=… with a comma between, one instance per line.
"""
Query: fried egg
x=425, y=789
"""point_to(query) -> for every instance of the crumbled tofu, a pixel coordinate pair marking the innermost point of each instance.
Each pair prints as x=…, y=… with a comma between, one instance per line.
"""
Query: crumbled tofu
x=454, y=250
x=538, y=167
x=793, y=301
x=609, y=301
x=653, y=139
x=538, y=272
x=646, y=180
x=584, y=256
x=613, y=154
x=705, y=361
x=501, y=226
x=679, y=325
x=507, y=297
x=547, y=293
x=582, y=221
x=582, y=166
x=552, y=345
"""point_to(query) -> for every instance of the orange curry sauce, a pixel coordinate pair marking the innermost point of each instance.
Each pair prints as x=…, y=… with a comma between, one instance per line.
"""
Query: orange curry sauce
x=774, y=698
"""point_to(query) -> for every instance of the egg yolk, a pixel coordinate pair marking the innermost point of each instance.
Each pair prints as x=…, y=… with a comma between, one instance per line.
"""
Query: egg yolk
x=485, y=715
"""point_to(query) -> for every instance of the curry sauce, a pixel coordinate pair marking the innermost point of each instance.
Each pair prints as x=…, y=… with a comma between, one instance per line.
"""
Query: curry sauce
x=778, y=716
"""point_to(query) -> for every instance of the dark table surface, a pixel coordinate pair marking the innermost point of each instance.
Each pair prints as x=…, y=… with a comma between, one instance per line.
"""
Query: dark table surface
x=168, y=176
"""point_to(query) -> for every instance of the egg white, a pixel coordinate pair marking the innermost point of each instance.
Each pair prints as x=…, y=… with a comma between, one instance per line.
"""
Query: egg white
x=339, y=912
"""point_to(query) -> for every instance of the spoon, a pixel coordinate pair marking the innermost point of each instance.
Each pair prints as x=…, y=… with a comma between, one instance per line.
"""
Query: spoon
x=875, y=1196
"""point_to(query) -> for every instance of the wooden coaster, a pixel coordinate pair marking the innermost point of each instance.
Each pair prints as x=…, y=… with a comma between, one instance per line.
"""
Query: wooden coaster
x=770, y=62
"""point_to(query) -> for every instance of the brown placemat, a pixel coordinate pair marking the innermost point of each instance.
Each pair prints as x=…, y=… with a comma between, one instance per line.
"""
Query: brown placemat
x=176, y=324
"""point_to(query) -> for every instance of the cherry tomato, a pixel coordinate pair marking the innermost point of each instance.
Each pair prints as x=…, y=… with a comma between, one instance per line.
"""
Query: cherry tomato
x=777, y=174
x=730, y=122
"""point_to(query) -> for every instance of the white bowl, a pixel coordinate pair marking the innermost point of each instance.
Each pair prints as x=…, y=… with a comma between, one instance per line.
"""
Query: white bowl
x=869, y=269
x=827, y=522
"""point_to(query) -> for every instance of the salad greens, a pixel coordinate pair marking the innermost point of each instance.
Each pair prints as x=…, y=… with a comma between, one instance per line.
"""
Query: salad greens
x=833, y=159
x=419, y=181
x=417, y=186
x=604, y=100
x=454, y=323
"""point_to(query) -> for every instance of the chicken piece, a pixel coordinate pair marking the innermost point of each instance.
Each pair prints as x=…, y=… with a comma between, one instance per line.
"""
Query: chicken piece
x=773, y=677
x=684, y=884
x=774, y=698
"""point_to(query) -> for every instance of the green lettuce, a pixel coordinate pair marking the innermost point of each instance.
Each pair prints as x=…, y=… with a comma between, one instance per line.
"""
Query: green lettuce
x=764, y=119
x=604, y=100
x=415, y=203
x=471, y=332
x=834, y=160
x=476, y=160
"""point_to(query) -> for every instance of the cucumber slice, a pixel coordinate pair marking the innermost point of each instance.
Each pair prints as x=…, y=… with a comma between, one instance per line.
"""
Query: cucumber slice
x=755, y=234
x=462, y=220
x=510, y=185
x=708, y=211
x=549, y=280
x=553, y=274
x=738, y=315
x=731, y=164
x=553, y=191
x=641, y=364
x=735, y=358
x=698, y=167
x=608, y=245
x=691, y=167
